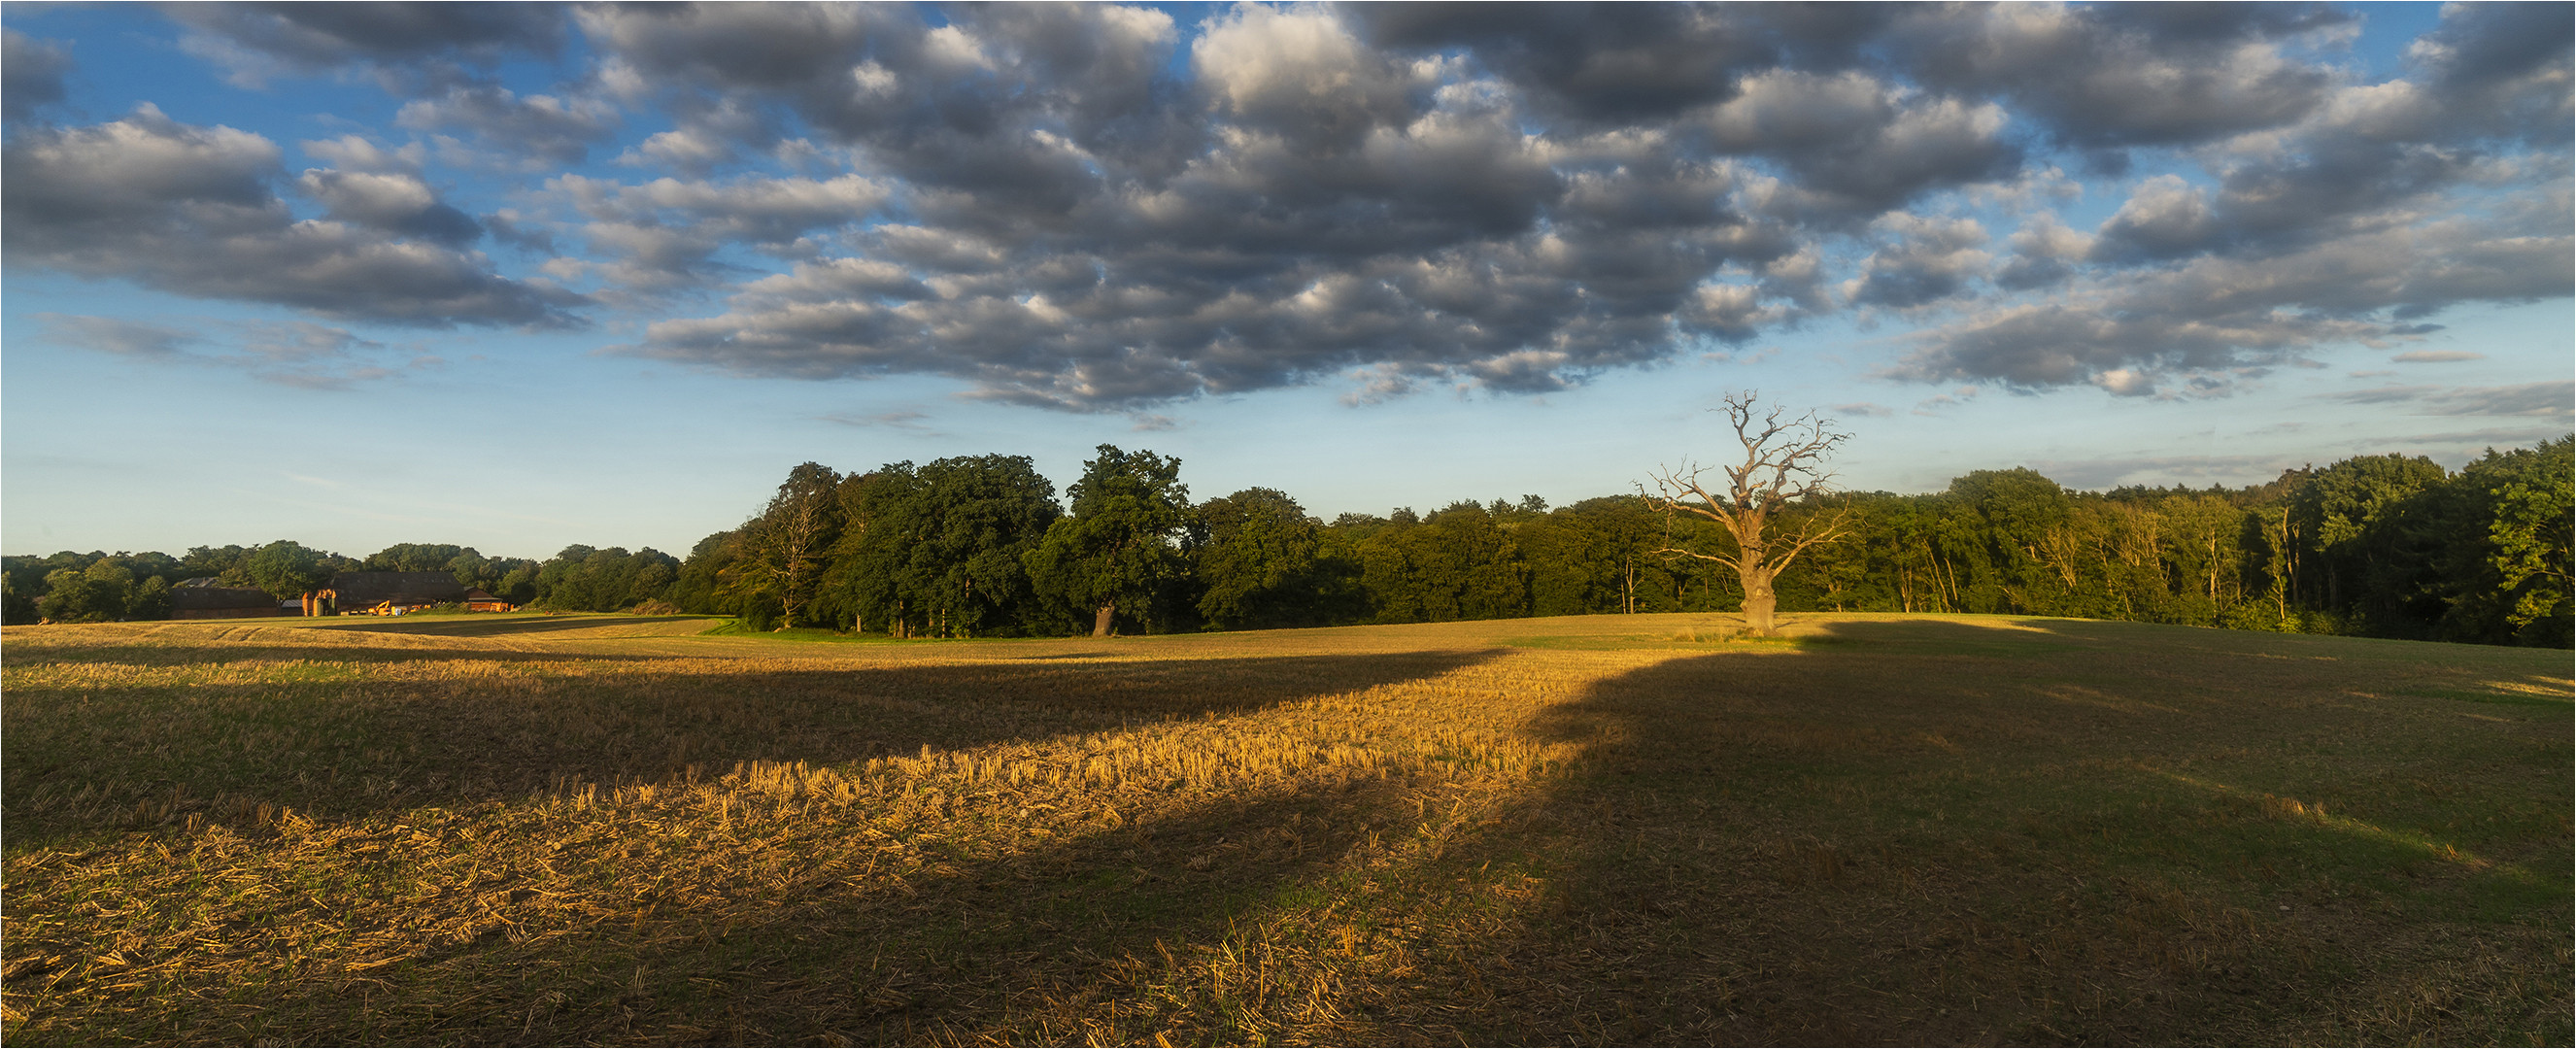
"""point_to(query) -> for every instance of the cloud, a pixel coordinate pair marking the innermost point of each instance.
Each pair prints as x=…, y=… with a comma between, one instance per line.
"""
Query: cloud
x=404, y=43
x=356, y=153
x=663, y=234
x=188, y=210
x=2216, y=315
x=31, y=74
x=401, y=205
x=1093, y=208
x=1856, y=145
x=2437, y=356
x=2108, y=78
x=1866, y=409
x=288, y=353
x=2539, y=400
x=2183, y=470
x=536, y=128
x=2166, y=218
x=894, y=420
x=116, y=336
x=1925, y=260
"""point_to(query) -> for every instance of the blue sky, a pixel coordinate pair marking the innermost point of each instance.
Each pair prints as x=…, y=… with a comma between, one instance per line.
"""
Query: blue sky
x=520, y=276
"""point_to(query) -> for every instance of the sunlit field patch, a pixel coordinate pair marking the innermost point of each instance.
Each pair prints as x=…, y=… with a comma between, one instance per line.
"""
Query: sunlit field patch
x=1603, y=829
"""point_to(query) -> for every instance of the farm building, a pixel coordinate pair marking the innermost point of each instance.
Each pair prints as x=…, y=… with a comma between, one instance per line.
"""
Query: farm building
x=385, y=593
x=200, y=598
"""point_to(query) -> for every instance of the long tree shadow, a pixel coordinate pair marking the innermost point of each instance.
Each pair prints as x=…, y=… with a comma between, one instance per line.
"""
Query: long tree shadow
x=1928, y=836
x=959, y=945
x=339, y=749
x=512, y=627
x=219, y=654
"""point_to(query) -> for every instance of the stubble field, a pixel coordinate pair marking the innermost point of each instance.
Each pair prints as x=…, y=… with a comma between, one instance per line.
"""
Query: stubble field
x=523, y=830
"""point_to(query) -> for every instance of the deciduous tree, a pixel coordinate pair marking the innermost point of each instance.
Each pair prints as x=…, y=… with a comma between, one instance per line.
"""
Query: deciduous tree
x=783, y=551
x=1783, y=462
x=1120, y=545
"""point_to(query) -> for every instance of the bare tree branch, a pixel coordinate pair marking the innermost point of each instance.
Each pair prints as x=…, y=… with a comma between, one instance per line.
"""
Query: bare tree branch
x=1784, y=463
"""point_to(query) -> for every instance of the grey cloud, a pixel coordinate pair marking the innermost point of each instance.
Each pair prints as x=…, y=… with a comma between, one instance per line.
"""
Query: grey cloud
x=2437, y=356
x=313, y=356
x=1299, y=74
x=2383, y=395
x=1861, y=145
x=2166, y=218
x=188, y=210
x=2119, y=76
x=2220, y=315
x=664, y=233
x=290, y=353
x=116, y=336
x=354, y=153
x=2502, y=68
x=895, y=420
x=2043, y=249
x=401, y=205
x=1622, y=63
x=558, y=130
x=2534, y=400
x=1865, y=409
x=1519, y=198
x=31, y=74
x=2504, y=436
x=406, y=41
x=1929, y=259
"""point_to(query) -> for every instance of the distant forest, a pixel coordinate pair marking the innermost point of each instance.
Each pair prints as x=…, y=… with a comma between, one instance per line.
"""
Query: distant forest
x=979, y=546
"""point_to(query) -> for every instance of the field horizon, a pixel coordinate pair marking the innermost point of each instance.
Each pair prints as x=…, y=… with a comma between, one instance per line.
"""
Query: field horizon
x=1637, y=829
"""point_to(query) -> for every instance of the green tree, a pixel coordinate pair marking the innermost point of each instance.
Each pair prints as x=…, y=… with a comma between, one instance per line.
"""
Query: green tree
x=699, y=587
x=1120, y=547
x=2347, y=514
x=222, y=563
x=942, y=549
x=583, y=579
x=150, y=599
x=287, y=568
x=1256, y=557
x=2504, y=565
x=96, y=594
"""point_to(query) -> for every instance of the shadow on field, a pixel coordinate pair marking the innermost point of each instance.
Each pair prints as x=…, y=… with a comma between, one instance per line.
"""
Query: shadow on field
x=165, y=654
x=1974, y=845
x=341, y=749
x=470, y=627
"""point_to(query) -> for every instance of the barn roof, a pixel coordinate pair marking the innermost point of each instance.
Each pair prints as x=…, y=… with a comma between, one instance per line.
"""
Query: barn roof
x=201, y=597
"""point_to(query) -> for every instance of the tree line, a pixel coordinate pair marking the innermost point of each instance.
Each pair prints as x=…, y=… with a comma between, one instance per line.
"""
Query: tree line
x=980, y=546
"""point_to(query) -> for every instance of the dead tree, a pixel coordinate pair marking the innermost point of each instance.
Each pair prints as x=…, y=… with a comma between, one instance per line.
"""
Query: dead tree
x=1784, y=461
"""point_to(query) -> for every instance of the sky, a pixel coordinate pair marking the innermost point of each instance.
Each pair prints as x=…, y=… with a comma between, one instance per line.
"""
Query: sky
x=519, y=276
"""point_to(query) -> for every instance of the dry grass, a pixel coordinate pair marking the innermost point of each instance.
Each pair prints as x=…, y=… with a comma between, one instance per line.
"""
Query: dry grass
x=1609, y=829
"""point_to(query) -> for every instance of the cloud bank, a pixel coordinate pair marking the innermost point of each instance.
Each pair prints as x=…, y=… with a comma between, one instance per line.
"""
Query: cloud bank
x=1097, y=208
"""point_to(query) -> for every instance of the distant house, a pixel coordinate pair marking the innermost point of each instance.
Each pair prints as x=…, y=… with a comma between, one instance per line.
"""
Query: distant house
x=200, y=598
x=385, y=593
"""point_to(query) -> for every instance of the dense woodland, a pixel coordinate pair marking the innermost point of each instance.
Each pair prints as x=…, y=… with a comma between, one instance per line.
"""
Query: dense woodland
x=980, y=546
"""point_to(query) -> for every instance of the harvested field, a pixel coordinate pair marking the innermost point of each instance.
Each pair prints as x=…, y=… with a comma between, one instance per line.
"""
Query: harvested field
x=526, y=829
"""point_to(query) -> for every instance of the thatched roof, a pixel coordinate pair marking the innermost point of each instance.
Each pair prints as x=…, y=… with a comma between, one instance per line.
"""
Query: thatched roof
x=355, y=590
x=202, y=597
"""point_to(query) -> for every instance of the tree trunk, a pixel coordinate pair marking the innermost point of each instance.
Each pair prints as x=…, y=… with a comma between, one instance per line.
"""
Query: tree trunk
x=1100, y=621
x=1758, y=601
